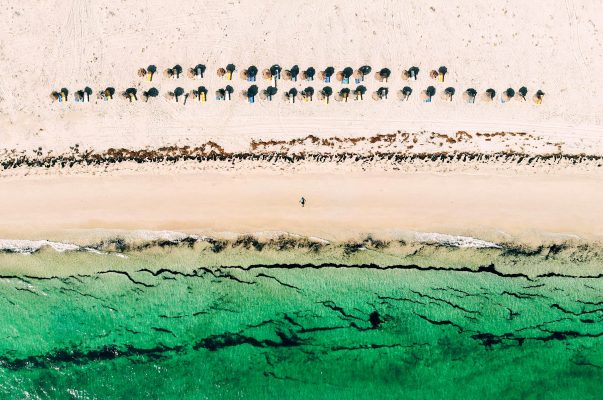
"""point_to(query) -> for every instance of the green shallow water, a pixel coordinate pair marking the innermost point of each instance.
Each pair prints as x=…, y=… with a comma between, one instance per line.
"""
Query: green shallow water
x=310, y=333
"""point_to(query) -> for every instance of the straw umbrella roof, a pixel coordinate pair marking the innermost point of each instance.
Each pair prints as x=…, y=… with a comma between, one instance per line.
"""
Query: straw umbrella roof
x=221, y=72
x=433, y=74
x=142, y=72
x=361, y=89
x=365, y=69
x=490, y=93
x=275, y=69
x=310, y=72
x=509, y=94
x=308, y=91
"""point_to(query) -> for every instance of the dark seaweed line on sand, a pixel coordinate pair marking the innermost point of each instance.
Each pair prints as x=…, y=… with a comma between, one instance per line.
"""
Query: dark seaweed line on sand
x=213, y=153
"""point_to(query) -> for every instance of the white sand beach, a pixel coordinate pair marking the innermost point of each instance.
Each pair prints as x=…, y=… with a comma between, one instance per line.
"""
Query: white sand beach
x=553, y=47
x=339, y=206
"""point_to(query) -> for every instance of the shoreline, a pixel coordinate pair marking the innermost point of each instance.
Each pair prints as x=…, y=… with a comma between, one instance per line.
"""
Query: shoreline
x=341, y=206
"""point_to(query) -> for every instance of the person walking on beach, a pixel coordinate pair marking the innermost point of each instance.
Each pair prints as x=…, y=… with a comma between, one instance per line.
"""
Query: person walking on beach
x=302, y=201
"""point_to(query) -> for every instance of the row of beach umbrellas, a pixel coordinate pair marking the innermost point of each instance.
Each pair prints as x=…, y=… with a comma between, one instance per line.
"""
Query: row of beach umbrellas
x=293, y=73
x=307, y=94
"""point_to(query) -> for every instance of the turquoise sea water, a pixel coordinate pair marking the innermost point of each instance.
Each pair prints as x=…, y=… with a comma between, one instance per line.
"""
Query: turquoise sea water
x=294, y=331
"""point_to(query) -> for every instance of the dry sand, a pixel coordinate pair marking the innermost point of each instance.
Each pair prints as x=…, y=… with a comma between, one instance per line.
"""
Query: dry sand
x=47, y=45
x=552, y=46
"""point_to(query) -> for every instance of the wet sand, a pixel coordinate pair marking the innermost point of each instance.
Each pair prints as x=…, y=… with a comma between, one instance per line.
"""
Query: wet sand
x=340, y=206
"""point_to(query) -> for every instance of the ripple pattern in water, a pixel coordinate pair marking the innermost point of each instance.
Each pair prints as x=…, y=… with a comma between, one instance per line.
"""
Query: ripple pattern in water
x=300, y=333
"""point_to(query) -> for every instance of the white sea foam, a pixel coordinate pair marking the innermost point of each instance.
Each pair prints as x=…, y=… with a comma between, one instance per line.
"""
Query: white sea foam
x=456, y=241
x=31, y=246
x=163, y=235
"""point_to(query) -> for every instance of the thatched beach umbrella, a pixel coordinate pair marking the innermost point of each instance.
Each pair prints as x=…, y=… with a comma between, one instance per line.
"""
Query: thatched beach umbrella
x=327, y=74
x=308, y=74
x=177, y=70
x=344, y=94
x=326, y=93
x=107, y=94
x=470, y=95
x=276, y=70
x=442, y=71
x=523, y=92
x=252, y=73
x=428, y=93
x=196, y=72
x=244, y=75
x=294, y=72
x=169, y=73
x=365, y=70
x=230, y=69
x=55, y=96
x=339, y=76
x=147, y=94
x=199, y=94
x=405, y=75
x=178, y=92
x=381, y=93
x=286, y=75
x=291, y=95
x=448, y=93
x=489, y=95
x=130, y=94
x=359, y=92
x=200, y=71
x=64, y=94
x=229, y=90
x=250, y=93
x=266, y=75
x=383, y=74
x=508, y=95
x=78, y=96
x=414, y=72
x=269, y=92
x=307, y=93
x=151, y=69
x=433, y=74
x=142, y=72
x=221, y=72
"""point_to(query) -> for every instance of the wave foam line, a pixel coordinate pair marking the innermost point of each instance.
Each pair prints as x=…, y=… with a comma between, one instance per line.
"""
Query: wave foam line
x=455, y=241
